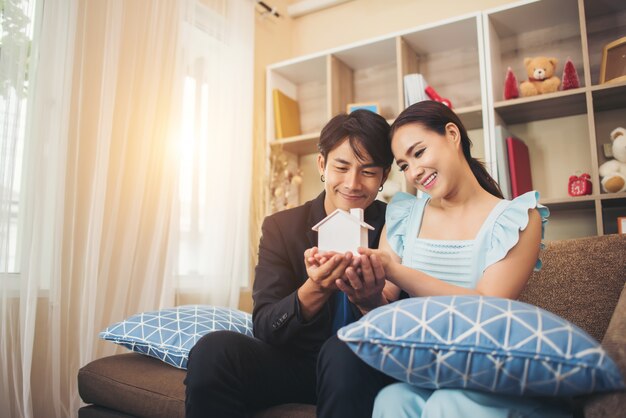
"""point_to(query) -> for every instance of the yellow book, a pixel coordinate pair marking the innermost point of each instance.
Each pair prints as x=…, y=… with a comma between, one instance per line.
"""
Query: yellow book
x=286, y=115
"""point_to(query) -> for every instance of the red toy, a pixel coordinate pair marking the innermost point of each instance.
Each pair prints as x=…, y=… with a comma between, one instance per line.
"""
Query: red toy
x=579, y=185
x=511, y=91
x=570, y=76
x=436, y=97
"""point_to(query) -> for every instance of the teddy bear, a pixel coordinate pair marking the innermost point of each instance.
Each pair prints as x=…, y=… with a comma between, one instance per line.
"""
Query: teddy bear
x=541, y=78
x=613, y=172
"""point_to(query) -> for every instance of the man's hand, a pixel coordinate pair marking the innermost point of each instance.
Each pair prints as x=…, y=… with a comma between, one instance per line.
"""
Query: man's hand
x=325, y=269
x=363, y=282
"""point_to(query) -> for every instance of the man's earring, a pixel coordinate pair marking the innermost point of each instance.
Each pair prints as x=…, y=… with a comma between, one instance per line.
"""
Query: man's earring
x=380, y=189
x=322, y=178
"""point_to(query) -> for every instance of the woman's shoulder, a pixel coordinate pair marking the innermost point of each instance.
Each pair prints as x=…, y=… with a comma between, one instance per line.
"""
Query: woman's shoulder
x=398, y=218
x=514, y=218
x=519, y=208
x=402, y=204
x=401, y=198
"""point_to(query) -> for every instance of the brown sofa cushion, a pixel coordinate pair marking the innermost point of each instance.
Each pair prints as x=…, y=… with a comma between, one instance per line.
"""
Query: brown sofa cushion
x=134, y=384
x=291, y=410
x=581, y=281
x=607, y=404
x=94, y=411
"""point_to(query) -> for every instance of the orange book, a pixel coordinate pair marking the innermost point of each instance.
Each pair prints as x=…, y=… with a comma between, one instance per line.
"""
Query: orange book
x=286, y=115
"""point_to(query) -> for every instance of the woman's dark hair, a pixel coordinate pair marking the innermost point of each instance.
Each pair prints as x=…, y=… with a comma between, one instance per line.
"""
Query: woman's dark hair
x=365, y=130
x=435, y=116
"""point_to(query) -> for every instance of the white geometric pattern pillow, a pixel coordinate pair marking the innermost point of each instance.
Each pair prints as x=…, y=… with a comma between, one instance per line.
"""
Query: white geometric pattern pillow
x=481, y=343
x=169, y=334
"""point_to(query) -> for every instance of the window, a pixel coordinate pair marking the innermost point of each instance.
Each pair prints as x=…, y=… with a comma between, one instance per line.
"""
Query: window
x=202, y=46
x=192, y=176
x=212, y=255
x=15, y=47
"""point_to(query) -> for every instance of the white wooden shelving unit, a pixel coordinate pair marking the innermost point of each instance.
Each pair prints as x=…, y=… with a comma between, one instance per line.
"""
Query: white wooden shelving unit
x=565, y=130
x=465, y=59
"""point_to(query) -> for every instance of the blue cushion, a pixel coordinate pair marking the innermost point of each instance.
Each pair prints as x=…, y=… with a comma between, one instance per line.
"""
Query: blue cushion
x=481, y=343
x=170, y=333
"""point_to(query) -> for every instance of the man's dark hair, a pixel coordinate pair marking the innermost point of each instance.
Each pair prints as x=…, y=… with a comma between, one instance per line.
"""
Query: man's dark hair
x=366, y=131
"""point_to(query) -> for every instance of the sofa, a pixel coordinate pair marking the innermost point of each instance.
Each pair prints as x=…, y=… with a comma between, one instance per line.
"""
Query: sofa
x=582, y=280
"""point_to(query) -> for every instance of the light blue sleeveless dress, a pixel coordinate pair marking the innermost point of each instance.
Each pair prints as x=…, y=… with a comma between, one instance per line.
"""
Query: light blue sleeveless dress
x=462, y=263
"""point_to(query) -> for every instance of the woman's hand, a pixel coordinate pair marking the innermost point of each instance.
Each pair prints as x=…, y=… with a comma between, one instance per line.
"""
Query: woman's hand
x=378, y=257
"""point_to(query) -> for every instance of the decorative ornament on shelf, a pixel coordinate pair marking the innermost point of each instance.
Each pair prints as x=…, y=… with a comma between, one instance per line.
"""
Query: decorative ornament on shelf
x=613, y=67
x=570, y=76
x=436, y=97
x=285, y=178
x=579, y=185
x=371, y=106
x=511, y=90
x=541, y=78
x=613, y=171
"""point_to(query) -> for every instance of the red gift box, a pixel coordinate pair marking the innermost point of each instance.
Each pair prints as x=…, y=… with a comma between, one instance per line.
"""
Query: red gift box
x=579, y=185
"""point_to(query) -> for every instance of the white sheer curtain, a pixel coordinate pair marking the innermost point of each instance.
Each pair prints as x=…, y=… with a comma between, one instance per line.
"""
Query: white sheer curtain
x=89, y=223
x=35, y=103
x=216, y=153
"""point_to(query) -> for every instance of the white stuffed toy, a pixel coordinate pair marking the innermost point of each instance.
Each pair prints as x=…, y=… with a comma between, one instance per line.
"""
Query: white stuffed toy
x=613, y=172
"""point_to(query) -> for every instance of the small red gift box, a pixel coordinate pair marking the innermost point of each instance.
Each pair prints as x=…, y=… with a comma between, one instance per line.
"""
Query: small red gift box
x=579, y=185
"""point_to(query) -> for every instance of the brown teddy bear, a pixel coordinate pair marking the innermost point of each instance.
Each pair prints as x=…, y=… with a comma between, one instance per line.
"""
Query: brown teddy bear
x=541, y=78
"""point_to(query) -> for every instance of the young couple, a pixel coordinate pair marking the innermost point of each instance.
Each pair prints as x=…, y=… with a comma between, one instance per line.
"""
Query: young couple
x=302, y=297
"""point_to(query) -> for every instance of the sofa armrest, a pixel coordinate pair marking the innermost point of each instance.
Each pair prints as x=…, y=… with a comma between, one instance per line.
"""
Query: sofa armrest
x=614, y=342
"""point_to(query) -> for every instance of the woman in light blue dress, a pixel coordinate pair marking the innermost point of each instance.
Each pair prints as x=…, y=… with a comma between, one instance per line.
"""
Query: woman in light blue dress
x=462, y=238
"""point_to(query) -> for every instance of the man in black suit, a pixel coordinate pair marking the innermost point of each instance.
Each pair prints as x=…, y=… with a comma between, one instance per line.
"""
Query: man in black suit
x=300, y=299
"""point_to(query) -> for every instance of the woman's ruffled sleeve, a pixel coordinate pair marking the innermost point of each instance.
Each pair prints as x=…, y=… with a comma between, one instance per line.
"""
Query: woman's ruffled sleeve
x=397, y=220
x=511, y=221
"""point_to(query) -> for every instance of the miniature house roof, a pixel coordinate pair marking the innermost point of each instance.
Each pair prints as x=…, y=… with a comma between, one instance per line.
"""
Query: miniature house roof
x=355, y=215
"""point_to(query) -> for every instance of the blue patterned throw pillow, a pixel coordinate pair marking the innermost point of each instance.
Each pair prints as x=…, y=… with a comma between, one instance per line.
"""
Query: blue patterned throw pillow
x=481, y=343
x=169, y=334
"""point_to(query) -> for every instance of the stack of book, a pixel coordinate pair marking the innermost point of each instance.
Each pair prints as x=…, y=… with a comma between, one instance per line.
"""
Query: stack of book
x=414, y=89
x=513, y=158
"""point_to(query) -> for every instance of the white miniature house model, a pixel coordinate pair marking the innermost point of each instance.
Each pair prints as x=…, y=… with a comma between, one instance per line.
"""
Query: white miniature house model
x=342, y=231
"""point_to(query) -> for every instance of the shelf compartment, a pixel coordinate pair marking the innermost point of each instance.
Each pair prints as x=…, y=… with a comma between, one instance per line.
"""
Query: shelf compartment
x=305, y=81
x=451, y=68
x=542, y=28
x=366, y=73
x=609, y=96
x=558, y=148
x=611, y=210
x=567, y=222
x=605, y=122
x=605, y=21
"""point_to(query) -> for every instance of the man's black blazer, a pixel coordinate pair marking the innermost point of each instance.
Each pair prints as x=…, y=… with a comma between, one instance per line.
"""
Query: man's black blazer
x=281, y=271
